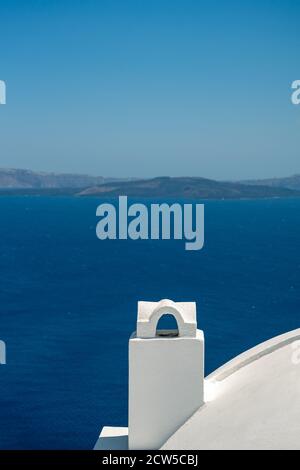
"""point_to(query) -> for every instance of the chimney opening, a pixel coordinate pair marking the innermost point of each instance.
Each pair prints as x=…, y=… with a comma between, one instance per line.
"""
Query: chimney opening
x=167, y=326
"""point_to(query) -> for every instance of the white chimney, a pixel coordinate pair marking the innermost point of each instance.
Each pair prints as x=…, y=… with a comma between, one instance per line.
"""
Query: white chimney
x=166, y=373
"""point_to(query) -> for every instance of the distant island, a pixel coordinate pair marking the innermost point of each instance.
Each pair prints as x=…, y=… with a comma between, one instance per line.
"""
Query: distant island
x=28, y=183
x=11, y=178
x=290, y=182
x=187, y=187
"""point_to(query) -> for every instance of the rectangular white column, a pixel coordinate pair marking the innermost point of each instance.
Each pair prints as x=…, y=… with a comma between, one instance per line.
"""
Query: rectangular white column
x=166, y=382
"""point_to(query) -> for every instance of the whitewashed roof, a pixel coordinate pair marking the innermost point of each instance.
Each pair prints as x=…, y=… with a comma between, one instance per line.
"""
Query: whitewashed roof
x=252, y=402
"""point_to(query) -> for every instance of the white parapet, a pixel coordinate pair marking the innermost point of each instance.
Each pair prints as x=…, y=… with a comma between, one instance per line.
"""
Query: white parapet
x=166, y=373
x=112, y=438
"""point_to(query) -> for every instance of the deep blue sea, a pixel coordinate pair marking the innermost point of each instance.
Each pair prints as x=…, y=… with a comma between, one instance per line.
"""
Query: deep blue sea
x=68, y=303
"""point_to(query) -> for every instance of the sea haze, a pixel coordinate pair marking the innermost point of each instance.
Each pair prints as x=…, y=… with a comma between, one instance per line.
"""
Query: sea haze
x=68, y=303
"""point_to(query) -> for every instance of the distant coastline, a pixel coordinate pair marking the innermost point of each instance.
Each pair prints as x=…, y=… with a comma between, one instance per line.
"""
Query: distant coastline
x=17, y=182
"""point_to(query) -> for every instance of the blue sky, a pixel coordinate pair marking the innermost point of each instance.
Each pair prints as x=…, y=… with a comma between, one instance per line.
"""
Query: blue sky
x=147, y=88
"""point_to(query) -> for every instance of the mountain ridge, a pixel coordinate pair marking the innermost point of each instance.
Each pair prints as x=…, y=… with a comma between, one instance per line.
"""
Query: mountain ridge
x=27, y=182
x=15, y=178
x=186, y=187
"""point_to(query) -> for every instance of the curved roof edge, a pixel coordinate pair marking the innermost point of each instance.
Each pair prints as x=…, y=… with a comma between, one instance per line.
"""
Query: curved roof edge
x=251, y=402
x=254, y=354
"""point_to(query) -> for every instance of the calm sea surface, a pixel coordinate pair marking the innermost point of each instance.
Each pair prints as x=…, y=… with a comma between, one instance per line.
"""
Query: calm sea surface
x=68, y=303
